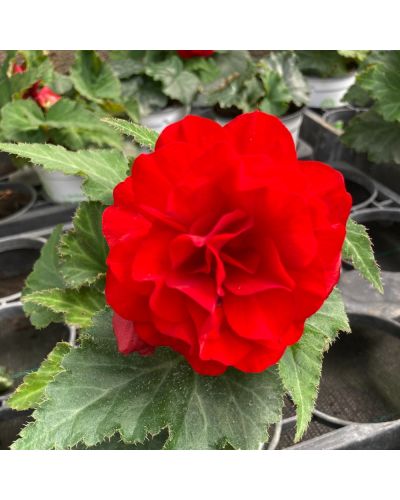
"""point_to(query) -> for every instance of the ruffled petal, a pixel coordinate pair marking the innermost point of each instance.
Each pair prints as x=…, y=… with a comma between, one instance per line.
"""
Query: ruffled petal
x=260, y=133
x=194, y=130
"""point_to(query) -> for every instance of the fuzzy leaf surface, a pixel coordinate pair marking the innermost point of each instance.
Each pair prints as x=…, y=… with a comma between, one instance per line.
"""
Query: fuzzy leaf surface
x=142, y=135
x=94, y=78
x=84, y=250
x=102, y=392
x=385, y=86
x=30, y=393
x=78, y=306
x=177, y=83
x=101, y=169
x=44, y=276
x=370, y=133
x=300, y=367
x=358, y=250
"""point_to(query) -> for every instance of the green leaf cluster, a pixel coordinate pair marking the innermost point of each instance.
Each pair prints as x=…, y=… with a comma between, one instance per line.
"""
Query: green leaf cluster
x=329, y=63
x=155, y=78
x=272, y=84
x=68, y=122
x=375, y=131
x=67, y=282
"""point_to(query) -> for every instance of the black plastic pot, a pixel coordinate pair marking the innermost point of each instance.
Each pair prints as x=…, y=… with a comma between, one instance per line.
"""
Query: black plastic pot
x=23, y=348
x=11, y=422
x=383, y=226
x=7, y=167
x=360, y=378
x=322, y=134
x=15, y=199
x=362, y=189
x=358, y=406
x=17, y=257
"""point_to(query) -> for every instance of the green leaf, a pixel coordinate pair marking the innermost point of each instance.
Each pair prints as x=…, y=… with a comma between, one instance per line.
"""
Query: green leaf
x=74, y=118
x=93, y=78
x=385, y=86
x=125, y=68
x=77, y=305
x=146, y=92
x=65, y=118
x=142, y=135
x=358, y=55
x=84, y=249
x=101, y=169
x=5, y=85
x=6, y=381
x=20, y=116
x=30, y=393
x=276, y=93
x=205, y=68
x=102, y=392
x=286, y=66
x=115, y=443
x=177, y=83
x=370, y=133
x=21, y=82
x=322, y=63
x=44, y=276
x=300, y=367
x=234, y=67
x=358, y=250
x=61, y=84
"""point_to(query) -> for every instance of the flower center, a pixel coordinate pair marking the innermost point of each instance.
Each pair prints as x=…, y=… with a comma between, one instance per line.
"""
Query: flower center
x=194, y=253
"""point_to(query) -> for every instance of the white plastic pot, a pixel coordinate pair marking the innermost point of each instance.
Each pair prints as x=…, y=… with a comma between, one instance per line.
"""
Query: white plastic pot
x=160, y=119
x=329, y=92
x=61, y=188
x=293, y=124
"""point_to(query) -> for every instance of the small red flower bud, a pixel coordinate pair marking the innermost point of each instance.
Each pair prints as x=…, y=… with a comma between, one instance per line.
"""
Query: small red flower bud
x=45, y=97
x=18, y=68
x=187, y=54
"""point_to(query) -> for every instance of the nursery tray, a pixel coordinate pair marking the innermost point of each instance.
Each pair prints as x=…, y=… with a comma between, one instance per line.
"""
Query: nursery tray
x=42, y=215
x=319, y=132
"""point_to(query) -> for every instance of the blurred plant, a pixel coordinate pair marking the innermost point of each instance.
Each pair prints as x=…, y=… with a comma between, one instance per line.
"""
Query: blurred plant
x=35, y=107
x=153, y=79
x=6, y=381
x=329, y=63
x=272, y=84
x=376, y=131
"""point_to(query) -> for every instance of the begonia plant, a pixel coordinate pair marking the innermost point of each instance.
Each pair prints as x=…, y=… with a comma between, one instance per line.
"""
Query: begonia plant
x=153, y=79
x=203, y=279
x=273, y=84
x=35, y=106
x=375, y=130
x=330, y=63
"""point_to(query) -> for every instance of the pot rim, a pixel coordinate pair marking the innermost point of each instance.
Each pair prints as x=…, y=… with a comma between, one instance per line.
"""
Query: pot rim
x=295, y=114
x=363, y=180
x=18, y=243
x=347, y=76
x=167, y=110
x=377, y=214
x=393, y=329
x=24, y=188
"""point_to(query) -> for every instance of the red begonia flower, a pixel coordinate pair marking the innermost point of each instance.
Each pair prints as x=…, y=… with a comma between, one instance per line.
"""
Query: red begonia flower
x=44, y=96
x=222, y=243
x=187, y=54
x=18, y=68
